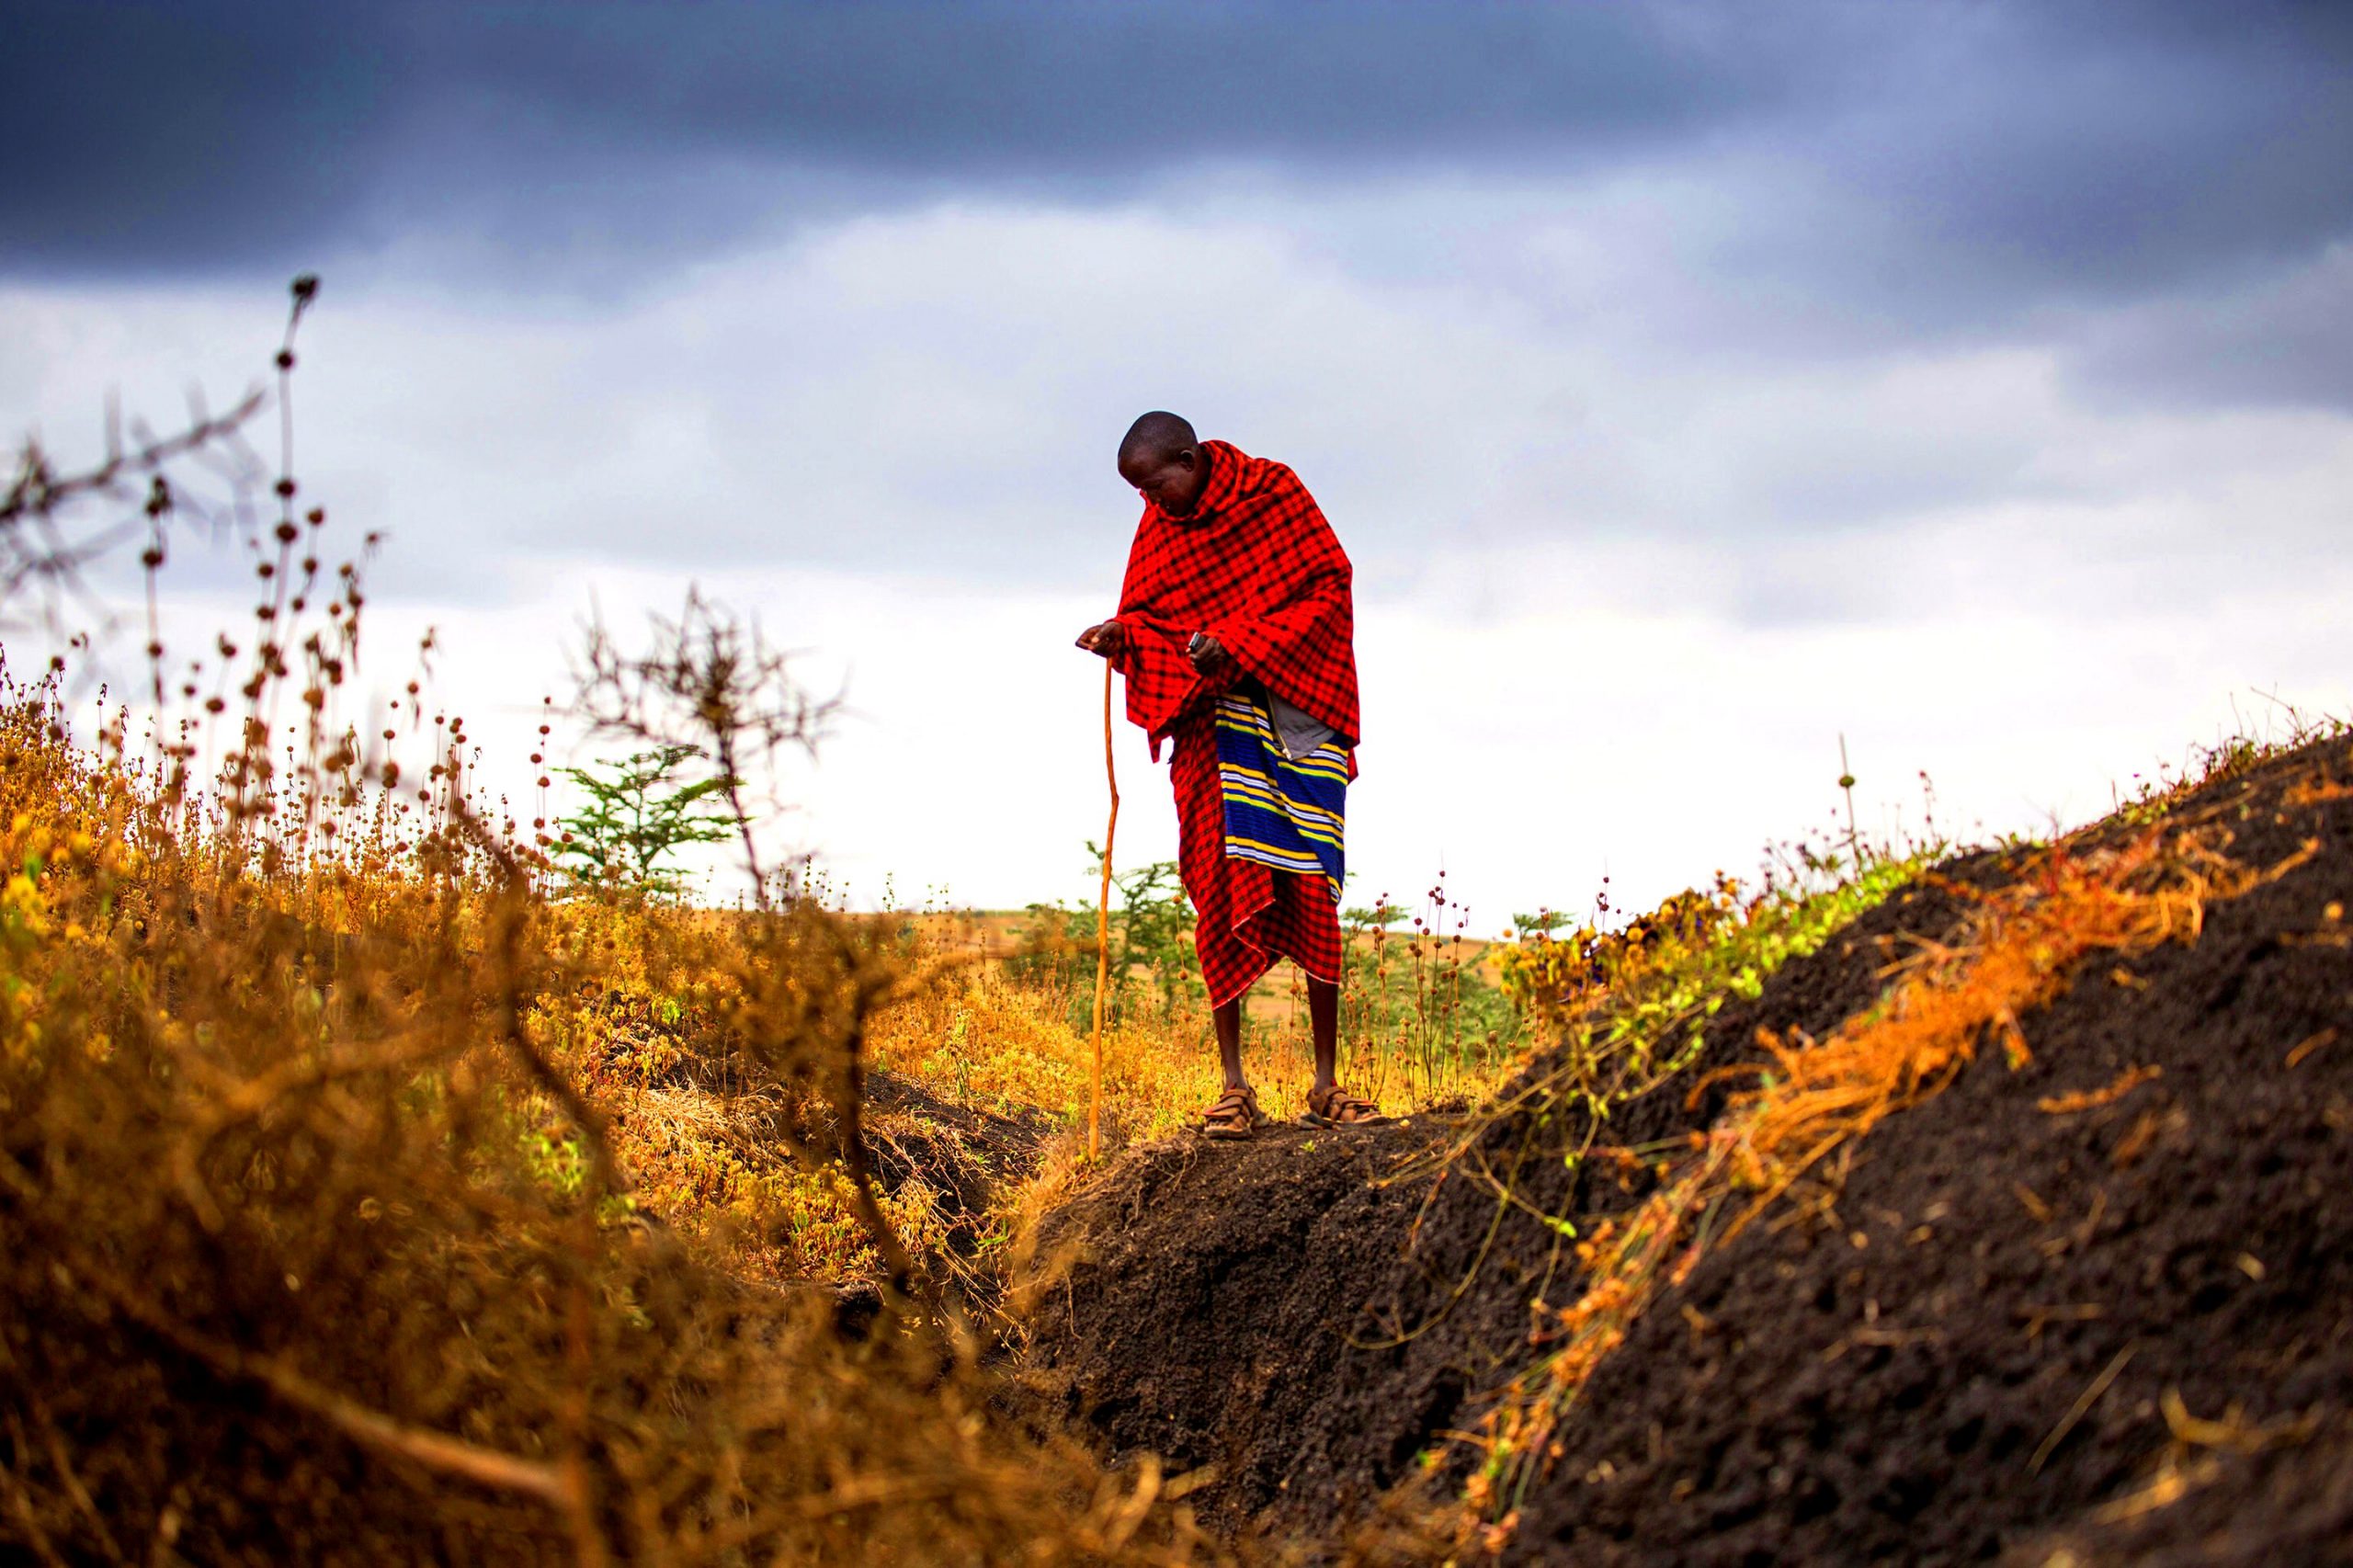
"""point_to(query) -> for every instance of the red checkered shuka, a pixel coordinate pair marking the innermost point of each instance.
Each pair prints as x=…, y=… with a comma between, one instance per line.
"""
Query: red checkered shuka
x=1256, y=568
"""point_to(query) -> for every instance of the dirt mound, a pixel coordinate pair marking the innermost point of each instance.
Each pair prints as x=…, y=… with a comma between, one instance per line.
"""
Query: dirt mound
x=2015, y=1317
x=963, y=1157
x=963, y=1153
x=1203, y=1320
x=1890, y=1366
x=1312, y=1312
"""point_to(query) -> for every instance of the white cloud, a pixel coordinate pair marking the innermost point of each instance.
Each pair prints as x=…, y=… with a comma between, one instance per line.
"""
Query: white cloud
x=1622, y=584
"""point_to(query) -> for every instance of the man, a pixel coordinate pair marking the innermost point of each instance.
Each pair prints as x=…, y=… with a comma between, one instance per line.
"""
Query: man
x=1235, y=633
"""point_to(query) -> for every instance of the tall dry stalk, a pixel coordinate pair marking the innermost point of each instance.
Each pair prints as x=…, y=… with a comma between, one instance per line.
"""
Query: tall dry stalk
x=712, y=687
x=1847, y=787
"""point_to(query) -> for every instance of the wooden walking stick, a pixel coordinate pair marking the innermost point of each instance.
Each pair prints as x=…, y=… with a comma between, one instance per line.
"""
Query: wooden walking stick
x=1102, y=931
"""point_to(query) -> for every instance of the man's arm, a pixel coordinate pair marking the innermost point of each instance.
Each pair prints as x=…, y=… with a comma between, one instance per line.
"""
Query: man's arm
x=1109, y=639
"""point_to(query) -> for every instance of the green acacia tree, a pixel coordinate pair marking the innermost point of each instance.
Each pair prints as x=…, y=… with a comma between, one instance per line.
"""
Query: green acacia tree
x=1152, y=930
x=1150, y=941
x=638, y=815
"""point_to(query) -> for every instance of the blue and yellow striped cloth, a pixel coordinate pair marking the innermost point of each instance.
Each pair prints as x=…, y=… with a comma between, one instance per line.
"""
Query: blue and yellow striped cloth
x=1280, y=811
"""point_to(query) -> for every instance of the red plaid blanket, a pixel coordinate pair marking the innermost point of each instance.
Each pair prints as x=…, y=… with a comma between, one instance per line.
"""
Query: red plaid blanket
x=1256, y=568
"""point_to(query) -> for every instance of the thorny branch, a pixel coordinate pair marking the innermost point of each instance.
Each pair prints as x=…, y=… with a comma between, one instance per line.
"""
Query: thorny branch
x=710, y=685
x=40, y=545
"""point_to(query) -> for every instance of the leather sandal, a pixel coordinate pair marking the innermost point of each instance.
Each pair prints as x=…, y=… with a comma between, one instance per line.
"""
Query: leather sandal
x=1233, y=1114
x=1335, y=1107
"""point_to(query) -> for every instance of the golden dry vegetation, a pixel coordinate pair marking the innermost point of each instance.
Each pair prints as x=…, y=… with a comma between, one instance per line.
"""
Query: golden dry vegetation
x=369, y=1196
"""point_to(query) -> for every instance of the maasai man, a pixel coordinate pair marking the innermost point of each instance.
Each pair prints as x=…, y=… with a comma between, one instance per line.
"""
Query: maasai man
x=1235, y=633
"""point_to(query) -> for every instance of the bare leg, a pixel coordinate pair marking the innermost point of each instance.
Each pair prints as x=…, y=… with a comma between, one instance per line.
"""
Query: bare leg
x=1228, y=1019
x=1323, y=1020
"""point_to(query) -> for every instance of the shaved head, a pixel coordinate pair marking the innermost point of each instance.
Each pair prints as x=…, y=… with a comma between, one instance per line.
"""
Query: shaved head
x=1163, y=459
x=1159, y=434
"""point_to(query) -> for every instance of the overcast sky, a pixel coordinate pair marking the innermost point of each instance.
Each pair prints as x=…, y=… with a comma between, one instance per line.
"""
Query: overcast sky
x=1692, y=384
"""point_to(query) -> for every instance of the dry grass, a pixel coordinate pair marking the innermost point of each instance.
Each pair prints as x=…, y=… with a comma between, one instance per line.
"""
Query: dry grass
x=986, y=1038
x=354, y=1213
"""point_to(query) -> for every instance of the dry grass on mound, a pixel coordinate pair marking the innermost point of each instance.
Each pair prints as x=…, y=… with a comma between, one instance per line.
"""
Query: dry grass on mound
x=362, y=1204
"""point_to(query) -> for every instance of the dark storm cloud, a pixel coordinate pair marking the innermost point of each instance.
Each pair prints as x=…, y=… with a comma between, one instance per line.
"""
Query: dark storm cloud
x=2285, y=342
x=2063, y=147
x=1891, y=172
x=162, y=138
x=144, y=136
x=2042, y=138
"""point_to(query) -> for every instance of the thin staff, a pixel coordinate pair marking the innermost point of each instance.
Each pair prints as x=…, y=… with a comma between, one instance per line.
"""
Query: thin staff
x=1103, y=931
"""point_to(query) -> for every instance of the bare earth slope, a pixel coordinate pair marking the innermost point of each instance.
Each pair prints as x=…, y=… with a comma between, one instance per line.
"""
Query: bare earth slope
x=2123, y=1332
x=1310, y=1311
x=1882, y=1379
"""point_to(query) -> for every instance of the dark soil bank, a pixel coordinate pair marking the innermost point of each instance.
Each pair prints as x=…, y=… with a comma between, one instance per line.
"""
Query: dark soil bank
x=1310, y=1311
x=1880, y=1381
x=1879, y=1376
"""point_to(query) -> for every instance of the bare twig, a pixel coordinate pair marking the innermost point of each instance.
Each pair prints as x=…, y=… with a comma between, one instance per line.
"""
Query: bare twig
x=42, y=542
x=2077, y=1411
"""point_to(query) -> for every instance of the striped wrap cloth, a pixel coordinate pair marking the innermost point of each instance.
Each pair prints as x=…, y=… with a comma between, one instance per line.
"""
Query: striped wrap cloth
x=1284, y=812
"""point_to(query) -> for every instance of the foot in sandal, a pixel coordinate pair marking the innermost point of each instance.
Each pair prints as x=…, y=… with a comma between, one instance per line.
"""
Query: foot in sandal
x=1233, y=1114
x=1332, y=1105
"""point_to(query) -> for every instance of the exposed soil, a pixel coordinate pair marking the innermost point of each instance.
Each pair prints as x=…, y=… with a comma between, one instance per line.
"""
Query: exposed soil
x=1310, y=1311
x=1875, y=1376
x=1881, y=1379
x=960, y=1152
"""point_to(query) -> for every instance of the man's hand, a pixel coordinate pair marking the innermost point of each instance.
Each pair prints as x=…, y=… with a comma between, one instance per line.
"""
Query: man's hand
x=1107, y=639
x=1208, y=654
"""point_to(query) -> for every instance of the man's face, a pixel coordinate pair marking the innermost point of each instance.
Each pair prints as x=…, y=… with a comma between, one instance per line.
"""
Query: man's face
x=1171, y=481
